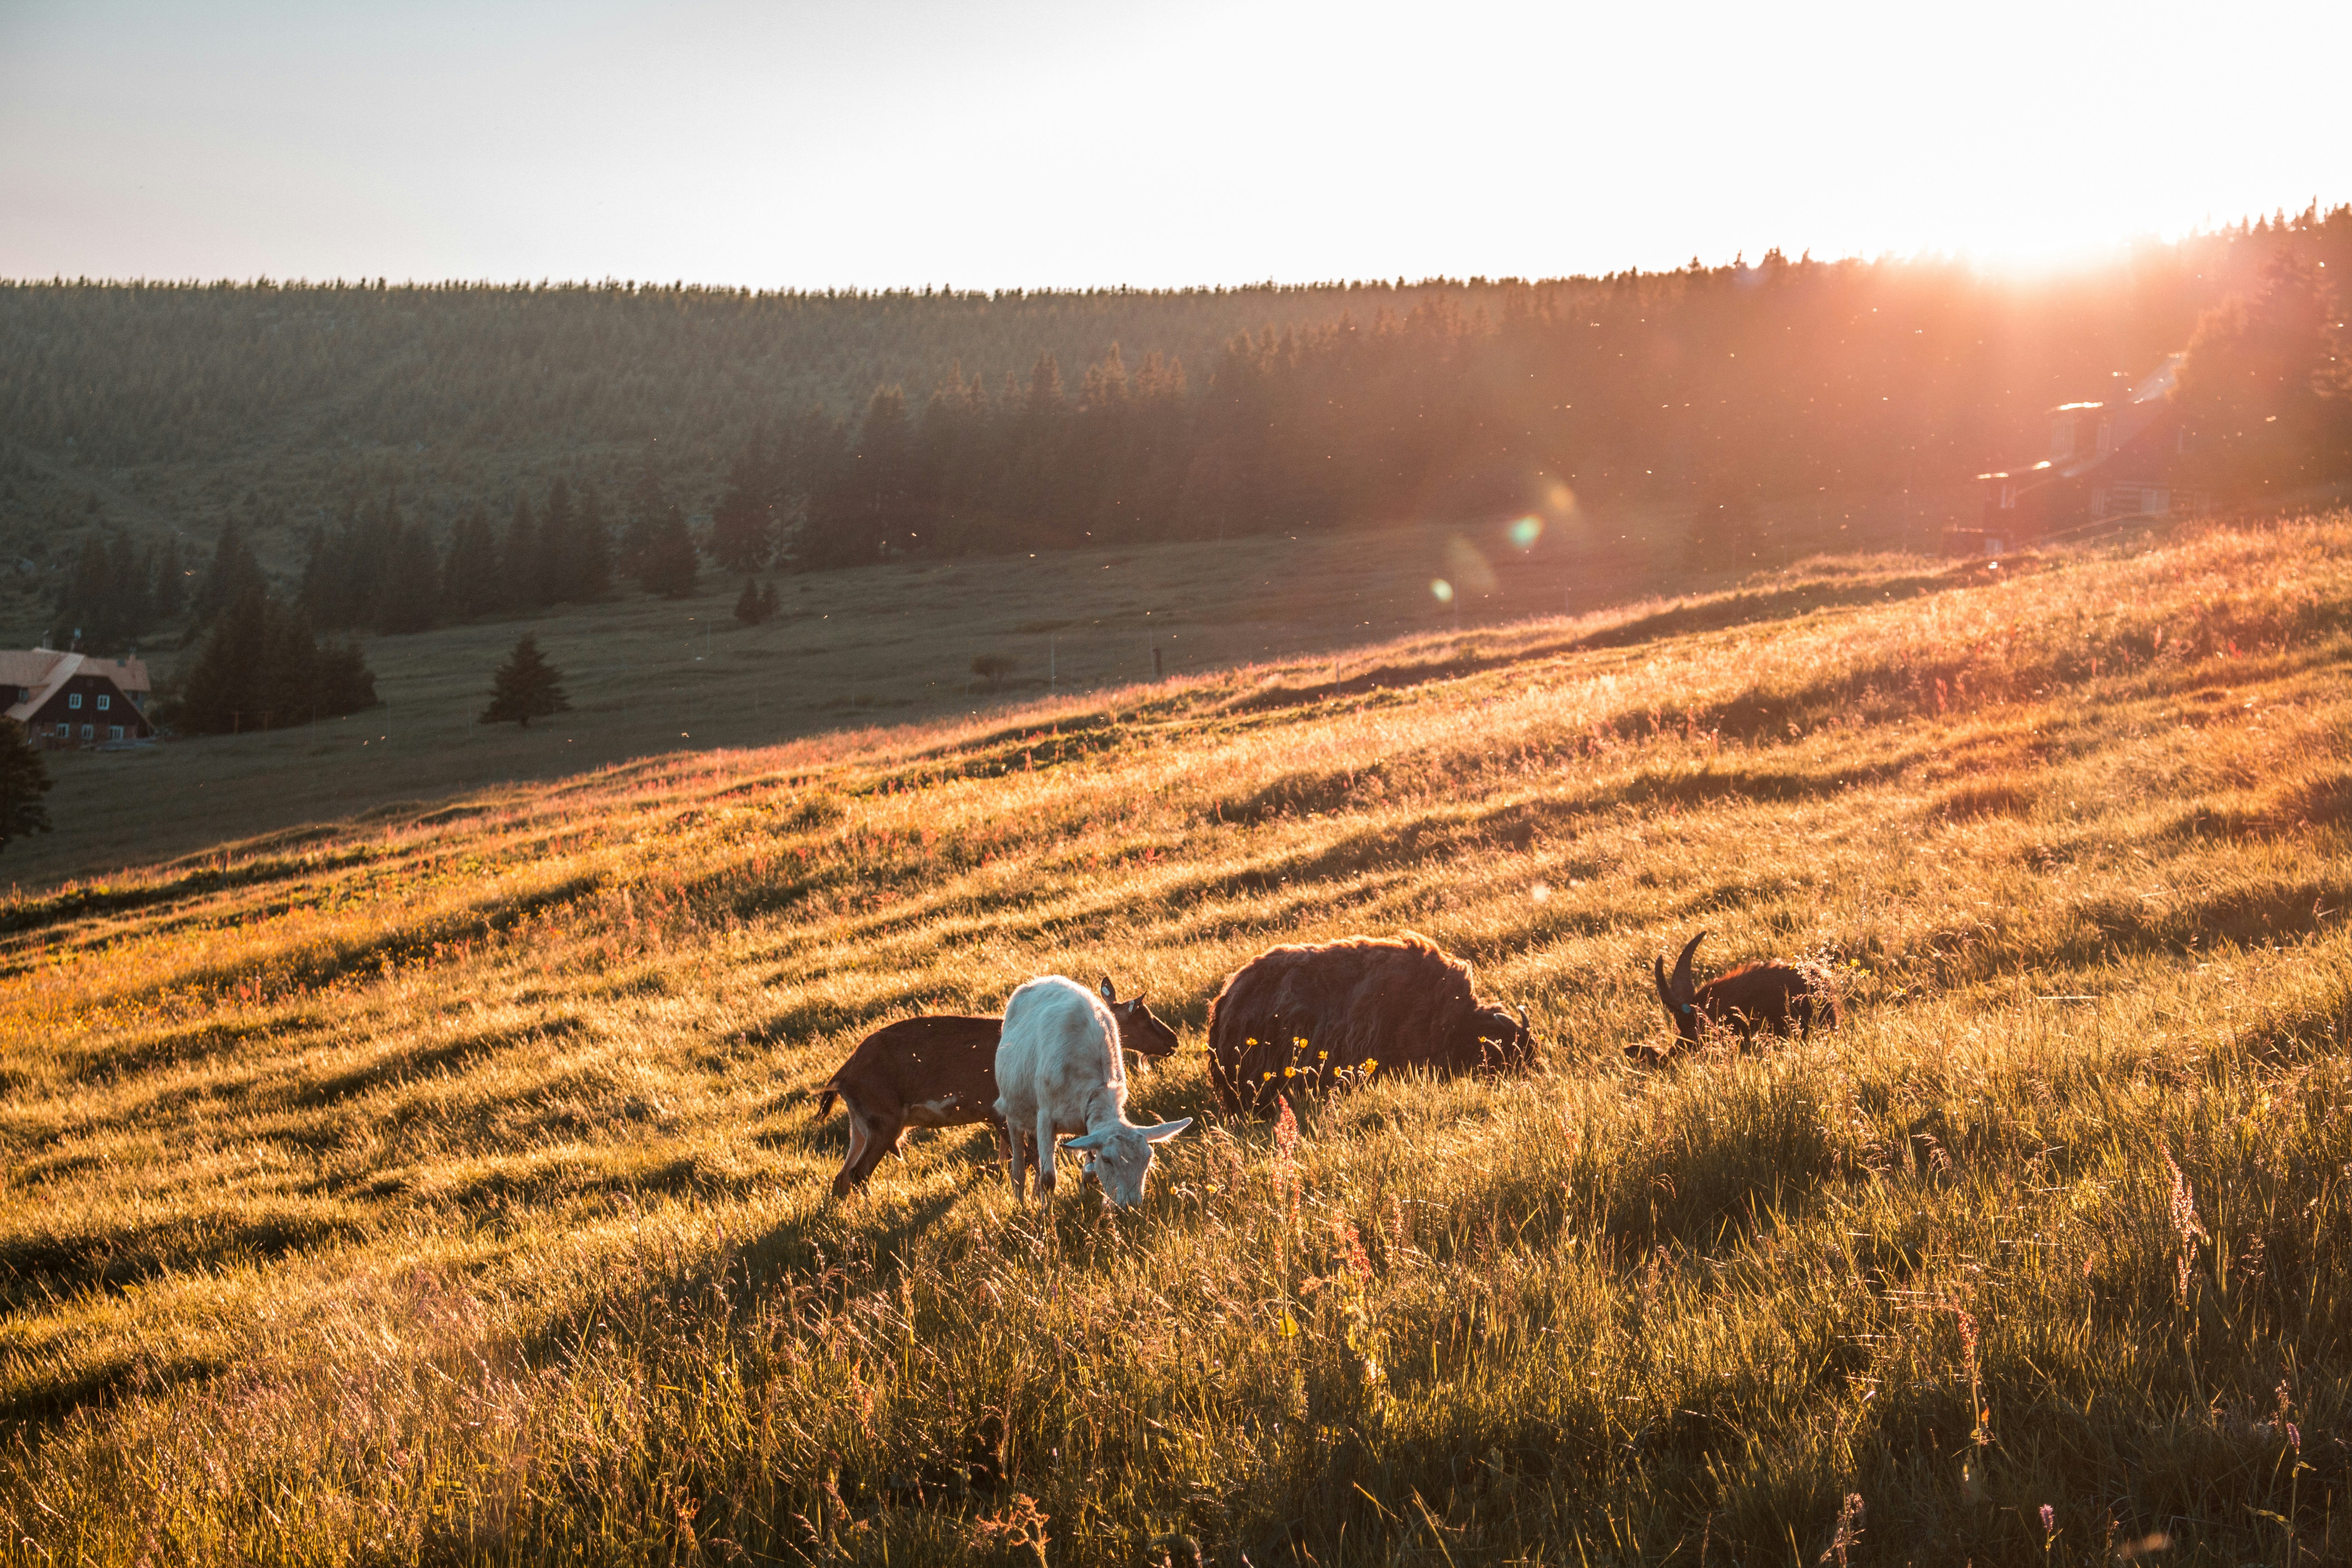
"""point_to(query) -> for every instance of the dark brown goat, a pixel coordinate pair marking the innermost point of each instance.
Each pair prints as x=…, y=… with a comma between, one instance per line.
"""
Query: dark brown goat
x=941, y=1072
x=1753, y=997
x=1293, y=1019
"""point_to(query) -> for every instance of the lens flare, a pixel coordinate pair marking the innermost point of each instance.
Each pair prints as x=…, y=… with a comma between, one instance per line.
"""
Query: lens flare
x=1563, y=499
x=1443, y=589
x=1466, y=567
x=1526, y=531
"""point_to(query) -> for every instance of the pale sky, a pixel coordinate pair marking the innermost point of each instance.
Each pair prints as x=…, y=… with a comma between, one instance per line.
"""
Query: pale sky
x=997, y=143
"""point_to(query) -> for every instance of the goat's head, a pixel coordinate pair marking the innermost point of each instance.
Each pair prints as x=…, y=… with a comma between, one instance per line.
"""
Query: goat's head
x=1138, y=1031
x=1503, y=1041
x=1122, y=1157
x=1680, y=994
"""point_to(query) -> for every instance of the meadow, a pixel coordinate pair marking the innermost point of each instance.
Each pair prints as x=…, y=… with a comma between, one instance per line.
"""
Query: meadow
x=442, y=1187
x=888, y=643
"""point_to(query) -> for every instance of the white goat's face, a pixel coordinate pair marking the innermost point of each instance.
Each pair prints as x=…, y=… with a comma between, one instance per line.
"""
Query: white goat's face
x=1122, y=1158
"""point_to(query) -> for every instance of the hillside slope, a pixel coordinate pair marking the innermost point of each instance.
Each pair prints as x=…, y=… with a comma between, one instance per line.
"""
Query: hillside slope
x=444, y=1188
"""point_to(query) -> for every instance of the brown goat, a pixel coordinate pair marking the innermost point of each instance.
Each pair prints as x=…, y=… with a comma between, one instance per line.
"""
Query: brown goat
x=1295, y=1018
x=1753, y=997
x=941, y=1072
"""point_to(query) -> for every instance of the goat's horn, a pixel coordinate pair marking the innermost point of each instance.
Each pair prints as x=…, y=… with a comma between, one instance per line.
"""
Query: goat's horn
x=1522, y=1009
x=1684, y=985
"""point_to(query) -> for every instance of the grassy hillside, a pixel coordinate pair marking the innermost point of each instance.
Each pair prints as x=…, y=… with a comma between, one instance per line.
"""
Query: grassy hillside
x=443, y=1188
x=884, y=644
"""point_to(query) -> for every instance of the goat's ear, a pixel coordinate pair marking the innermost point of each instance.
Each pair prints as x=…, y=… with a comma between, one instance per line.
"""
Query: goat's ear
x=1087, y=1144
x=1109, y=992
x=1166, y=1130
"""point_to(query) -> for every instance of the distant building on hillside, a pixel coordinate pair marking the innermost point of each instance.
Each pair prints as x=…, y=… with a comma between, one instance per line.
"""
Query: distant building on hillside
x=2107, y=460
x=73, y=699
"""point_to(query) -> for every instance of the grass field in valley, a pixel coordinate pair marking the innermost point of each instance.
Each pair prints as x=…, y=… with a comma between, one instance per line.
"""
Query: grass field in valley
x=891, y=643
x=445, y=1188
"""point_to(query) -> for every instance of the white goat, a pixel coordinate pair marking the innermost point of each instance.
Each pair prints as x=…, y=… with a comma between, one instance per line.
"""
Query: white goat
x=1059, y=1071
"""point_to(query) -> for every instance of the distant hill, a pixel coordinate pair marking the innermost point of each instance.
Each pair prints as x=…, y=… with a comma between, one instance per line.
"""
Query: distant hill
x=840, y=427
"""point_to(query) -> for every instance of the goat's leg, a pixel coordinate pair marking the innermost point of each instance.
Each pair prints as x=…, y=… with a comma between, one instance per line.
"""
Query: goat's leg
x=1014, y=1171
x=996, y=1131
x=859, y=1139
x=1045, y=1157
x=885, y=1138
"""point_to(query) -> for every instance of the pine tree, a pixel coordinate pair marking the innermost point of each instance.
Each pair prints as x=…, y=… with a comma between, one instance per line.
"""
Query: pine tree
x=82, y=600
x=589, y=563
x=646, y=506
x=233, y=574
x=261, y=667
x=743, y=530
x=558, y=523
x=410, y=600
x=364, y=562
x=519, y=560
x=169, y=590
x=24, y=779
x=525, y=688
x=751, y=606
x=667, y=566
x=2263, y=388
x=469, y=571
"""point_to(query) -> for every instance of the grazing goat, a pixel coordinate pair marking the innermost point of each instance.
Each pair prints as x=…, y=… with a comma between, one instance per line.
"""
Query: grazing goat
x=1295, y=1018
x=941, y=1072
x=918, y=1072
x=1059, y=1069
x=1751, y=997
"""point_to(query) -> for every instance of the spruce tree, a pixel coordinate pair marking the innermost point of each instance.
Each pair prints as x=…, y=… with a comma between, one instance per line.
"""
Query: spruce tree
x=646, y=506
x=558, y=523
x=589, y=562
x=233, y=574
x=361, y=563
x=410, y=600
x=669, y=564
x=2263, y=388
x=751, y=606
x=743, y=530
x=170, y=592
x=317, y=590
x=24, y=779
x=469, y=572
x=82, y=601
x=261, y=667
x=518, y=561
x=525, y=688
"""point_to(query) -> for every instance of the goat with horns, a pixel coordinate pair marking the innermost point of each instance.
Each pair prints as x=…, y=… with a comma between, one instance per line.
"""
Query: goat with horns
x=1770, y=995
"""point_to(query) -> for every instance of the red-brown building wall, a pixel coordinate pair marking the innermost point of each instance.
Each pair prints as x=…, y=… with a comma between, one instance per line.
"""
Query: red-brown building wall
x=91, y=709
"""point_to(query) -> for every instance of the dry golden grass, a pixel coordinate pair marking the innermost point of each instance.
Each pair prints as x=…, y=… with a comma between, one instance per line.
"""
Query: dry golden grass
x=444, y=1188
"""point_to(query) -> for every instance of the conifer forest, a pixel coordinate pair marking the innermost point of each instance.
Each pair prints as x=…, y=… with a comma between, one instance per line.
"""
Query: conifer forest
x=400, y=456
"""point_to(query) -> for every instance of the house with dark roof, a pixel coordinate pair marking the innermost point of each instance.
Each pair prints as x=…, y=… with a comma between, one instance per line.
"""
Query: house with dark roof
x=74, y=699
x=2108, y=460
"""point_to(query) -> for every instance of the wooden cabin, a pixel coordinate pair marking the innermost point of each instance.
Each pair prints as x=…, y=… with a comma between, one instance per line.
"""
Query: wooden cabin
x=2107, y=460
x=71, y=699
